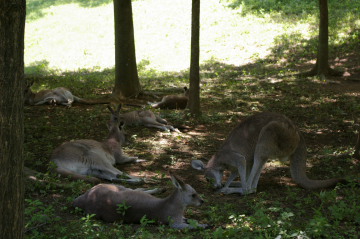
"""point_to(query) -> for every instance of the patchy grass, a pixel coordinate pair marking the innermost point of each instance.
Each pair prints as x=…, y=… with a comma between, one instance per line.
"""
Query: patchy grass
x=250, y=54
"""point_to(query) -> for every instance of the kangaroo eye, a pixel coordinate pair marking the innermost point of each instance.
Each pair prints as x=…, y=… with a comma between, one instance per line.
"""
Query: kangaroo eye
x=193, y=195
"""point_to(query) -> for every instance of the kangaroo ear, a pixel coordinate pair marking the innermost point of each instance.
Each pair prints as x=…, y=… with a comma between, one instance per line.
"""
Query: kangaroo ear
x=177, y=182
x=111, y=109
x=121, y=125
x=118, y=108
x=198, y=165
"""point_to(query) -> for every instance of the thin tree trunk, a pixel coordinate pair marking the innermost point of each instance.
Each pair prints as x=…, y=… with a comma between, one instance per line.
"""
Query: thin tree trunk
x=12, y=24
x=357, y=147
x=126, y=75
x=322, y=67
x=323, y=52
x=194, y=94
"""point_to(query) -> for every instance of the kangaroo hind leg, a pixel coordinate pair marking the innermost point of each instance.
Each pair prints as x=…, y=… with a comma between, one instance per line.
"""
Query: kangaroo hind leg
x=152, y=123
x=273, y=142
x=74, y=175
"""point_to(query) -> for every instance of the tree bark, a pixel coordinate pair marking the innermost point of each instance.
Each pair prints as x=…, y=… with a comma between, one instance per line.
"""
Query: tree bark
x=322, y=67
x=126, y=75
x=194, y=89
x=323, y=52
x=356, y=154
x=12, y=24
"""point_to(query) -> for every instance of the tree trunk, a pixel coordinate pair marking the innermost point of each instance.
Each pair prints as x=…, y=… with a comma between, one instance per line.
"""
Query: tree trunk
x=126, y=75
x=357, y=147
x=12, y=25
x=323, y=52
x=322, y=67
x=194, y=93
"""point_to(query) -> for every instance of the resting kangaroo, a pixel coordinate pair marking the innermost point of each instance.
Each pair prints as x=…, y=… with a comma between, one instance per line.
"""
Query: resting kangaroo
x=103, y=200
x=173, y=101
x=146, y=118
x=260, y=137
x=89, y=159
x=55, y=96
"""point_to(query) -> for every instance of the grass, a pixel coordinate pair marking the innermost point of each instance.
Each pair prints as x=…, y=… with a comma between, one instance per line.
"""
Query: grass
x=70, y=35
x=250, y=54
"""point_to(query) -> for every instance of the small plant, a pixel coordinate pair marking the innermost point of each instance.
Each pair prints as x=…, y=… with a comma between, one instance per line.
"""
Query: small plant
x=38, y=215
x=90, y=228
x=121, y=209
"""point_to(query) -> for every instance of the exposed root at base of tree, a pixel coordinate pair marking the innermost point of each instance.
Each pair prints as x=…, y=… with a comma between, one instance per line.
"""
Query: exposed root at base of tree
x=321, y=72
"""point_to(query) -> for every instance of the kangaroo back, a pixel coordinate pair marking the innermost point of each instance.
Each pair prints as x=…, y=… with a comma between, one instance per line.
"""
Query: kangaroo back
x=81, y=158
x=173, y=101
x=113, y=203
x=260, y=137
x=146, y=118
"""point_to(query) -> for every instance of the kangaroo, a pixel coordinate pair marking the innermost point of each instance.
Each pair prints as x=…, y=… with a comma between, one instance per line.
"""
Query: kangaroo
x=146, y=118
x=90, y=160
x=59, y=95
x=260, y=137
x=173, y=101
x=103, y=200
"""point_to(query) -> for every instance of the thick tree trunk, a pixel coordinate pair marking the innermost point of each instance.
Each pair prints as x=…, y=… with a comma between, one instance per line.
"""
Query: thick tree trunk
x=12, y=24
x=194, y=94
x=126, y=75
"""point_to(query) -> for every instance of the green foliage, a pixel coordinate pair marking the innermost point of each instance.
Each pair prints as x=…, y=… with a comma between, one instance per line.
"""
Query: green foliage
x=122, y=207
x=38, y=215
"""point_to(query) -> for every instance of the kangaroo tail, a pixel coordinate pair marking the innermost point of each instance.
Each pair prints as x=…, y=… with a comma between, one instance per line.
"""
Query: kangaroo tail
x=76, y=176
x=92, y=101
x=298, y=170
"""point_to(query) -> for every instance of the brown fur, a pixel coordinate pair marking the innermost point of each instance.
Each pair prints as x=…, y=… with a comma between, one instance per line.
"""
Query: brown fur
x=173, y=101
x=258, y=138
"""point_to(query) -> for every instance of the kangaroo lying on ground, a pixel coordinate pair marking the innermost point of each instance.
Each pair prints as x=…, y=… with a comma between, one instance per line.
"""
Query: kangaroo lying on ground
x=173, y=101
x=90, y=160
x=103, y=200
x=146, y=118
x=260, y=137
x=55, y=96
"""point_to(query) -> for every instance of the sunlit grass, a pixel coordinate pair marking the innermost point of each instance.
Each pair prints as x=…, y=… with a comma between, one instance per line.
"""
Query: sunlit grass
x=70, y=37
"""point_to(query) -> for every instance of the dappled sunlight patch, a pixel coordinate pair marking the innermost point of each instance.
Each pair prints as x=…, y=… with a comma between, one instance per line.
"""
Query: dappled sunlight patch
x=72, y=37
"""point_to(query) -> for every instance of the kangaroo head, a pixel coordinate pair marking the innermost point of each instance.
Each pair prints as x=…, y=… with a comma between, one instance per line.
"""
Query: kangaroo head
x=115, y=125
x=28, y=94
x=186, y=91
x=188, y=194
x=213, y=175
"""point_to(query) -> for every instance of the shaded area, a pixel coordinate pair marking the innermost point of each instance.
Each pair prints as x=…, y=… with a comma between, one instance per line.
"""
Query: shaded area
x=325, y=111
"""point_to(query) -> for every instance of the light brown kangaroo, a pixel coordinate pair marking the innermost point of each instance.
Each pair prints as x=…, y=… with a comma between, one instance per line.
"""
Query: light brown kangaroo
x=146, y=118
x=90, y=160
x=173, y=101
x=104, y=201
x=260, y=137
x=60, y=95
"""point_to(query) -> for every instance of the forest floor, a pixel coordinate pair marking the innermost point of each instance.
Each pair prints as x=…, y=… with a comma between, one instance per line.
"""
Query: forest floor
x=251, y=54
x=326, y=111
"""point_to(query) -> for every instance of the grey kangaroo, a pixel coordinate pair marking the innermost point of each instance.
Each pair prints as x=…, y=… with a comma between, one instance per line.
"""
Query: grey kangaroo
x=260, y=137
x=90, y=160
x=146, y=118
x=60, y=95
x=173, y=101
x=104, y=200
